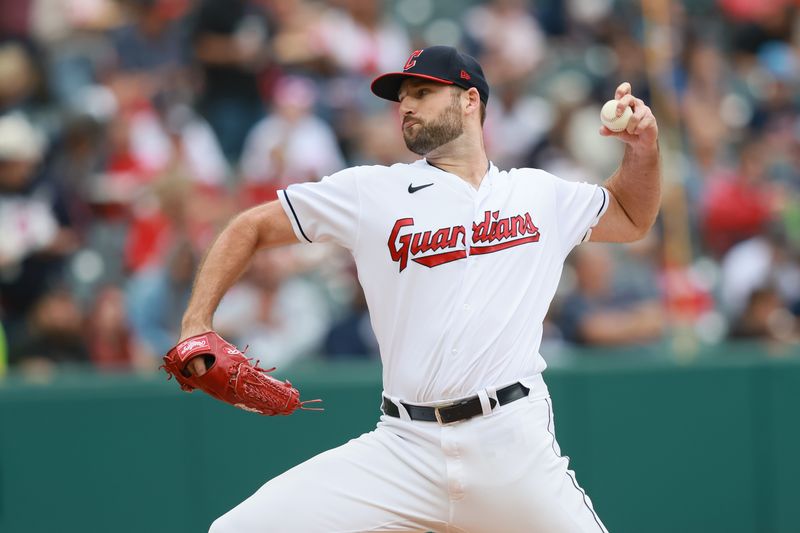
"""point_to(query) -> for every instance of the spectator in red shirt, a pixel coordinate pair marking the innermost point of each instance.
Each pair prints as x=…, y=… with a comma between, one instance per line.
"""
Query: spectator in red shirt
x=737, y=204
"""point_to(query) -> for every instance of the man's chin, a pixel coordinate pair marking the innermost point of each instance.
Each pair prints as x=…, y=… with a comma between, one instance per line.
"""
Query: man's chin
x=414, y=147
x=417, y=150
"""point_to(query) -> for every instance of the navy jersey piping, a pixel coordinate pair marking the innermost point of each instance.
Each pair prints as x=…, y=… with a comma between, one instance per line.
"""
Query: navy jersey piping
x=294, y=214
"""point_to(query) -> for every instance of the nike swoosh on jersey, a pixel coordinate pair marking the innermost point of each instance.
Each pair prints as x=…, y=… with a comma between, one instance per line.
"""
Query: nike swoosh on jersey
x=412, y=189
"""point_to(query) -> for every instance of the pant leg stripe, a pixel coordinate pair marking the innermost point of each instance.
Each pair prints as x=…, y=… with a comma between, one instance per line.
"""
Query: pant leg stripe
x=570, y=476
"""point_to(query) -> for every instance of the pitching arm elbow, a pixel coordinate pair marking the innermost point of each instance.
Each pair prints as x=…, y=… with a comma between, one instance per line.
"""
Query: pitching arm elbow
x=618, y=224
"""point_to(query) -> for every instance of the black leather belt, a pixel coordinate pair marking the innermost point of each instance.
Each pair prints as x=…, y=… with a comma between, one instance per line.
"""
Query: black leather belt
x=457, y=411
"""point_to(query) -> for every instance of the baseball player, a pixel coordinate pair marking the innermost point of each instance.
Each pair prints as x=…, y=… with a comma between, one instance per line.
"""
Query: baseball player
x=459, y=261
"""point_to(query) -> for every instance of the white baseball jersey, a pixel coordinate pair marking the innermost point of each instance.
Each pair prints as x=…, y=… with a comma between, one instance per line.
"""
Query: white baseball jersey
x=457, y=280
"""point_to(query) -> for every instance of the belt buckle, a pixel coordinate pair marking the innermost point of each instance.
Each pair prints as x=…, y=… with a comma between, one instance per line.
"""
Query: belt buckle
x=438, y=415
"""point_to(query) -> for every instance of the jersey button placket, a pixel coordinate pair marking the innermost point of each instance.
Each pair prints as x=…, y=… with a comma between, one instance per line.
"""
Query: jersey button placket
x=453, y=464
x=479, y=199
x=464, y=281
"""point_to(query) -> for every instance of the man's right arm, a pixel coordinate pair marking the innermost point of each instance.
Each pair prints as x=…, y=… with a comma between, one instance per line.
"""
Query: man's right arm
x=226, y=260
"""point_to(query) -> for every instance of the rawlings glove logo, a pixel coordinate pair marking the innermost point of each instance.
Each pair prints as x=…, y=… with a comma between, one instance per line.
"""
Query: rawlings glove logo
x=193, y=344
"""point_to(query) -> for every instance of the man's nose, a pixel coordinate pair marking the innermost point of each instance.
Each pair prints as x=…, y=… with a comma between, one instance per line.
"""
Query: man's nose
x=405, y=107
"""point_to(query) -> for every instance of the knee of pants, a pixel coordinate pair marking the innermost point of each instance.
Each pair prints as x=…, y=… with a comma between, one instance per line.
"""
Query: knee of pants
x=228, y=523
x=222, y=525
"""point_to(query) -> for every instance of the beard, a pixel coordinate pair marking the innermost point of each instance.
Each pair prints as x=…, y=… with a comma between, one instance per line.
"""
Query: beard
x=430, y=135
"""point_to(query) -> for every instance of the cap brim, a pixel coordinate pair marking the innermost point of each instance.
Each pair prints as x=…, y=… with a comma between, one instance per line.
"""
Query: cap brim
x=387, y=86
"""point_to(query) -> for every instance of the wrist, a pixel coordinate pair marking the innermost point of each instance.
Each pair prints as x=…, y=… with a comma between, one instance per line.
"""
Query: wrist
x=191, y=327
x=644, y=148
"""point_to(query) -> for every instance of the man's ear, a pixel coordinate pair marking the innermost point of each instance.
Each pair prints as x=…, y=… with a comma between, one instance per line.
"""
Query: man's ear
x=473, y=103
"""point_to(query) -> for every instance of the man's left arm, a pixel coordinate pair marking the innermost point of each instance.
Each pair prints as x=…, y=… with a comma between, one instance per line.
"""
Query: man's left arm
x=636, y=186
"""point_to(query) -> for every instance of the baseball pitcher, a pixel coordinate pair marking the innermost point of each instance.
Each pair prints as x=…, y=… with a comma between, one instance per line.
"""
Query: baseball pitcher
x=459, y=261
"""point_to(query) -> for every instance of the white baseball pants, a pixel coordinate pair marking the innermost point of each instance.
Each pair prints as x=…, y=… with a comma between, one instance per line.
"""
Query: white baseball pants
x=500, y=472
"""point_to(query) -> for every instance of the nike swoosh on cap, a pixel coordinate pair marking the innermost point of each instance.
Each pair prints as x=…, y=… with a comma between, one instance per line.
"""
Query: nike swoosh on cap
x=412, y=189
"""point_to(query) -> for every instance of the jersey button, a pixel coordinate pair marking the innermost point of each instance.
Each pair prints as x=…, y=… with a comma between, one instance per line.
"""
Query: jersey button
x=467, y=308
x=454, y=351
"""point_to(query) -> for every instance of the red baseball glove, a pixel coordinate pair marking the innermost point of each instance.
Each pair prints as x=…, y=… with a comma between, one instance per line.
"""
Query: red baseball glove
x=231, y=377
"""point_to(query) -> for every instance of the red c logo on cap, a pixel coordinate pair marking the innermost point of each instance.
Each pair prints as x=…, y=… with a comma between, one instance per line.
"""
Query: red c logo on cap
x=410, y=63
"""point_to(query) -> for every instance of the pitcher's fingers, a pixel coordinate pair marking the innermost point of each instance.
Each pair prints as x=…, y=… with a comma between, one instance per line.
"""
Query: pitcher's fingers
x=627, y=100
x=197, y=366
x=648, y=121
x=641, y=111
x=623, y=89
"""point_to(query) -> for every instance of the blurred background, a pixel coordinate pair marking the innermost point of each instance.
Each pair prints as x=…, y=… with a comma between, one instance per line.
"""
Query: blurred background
x=132, y=130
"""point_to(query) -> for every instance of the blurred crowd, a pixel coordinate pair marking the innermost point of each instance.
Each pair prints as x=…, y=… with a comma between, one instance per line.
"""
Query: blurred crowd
x=132, y=130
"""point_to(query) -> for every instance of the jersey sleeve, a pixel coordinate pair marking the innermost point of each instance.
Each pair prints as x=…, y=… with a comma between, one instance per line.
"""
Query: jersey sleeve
x=579, y=207
x=325, y=211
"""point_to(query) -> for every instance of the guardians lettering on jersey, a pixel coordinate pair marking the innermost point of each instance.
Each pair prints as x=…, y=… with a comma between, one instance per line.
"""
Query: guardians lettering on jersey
x=490, y=235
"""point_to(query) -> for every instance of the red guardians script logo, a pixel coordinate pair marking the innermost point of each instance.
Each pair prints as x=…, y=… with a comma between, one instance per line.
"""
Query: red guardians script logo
x=488, y=236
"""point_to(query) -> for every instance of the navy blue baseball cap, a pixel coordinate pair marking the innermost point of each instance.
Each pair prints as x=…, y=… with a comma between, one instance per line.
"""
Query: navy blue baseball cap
x=443, y=64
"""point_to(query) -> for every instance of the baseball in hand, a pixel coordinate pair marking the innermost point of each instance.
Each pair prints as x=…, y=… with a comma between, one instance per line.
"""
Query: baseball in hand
x=609, y=118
